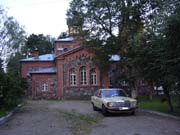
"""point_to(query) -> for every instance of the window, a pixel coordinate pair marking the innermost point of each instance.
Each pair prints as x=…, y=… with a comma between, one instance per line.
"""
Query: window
x=83, y=78
x=65, y=49
x=45, y=87
x=93, y=77
x=72, y=77
x=124, y=83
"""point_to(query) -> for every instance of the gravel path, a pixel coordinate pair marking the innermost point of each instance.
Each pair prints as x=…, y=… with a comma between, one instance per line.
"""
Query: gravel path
x=56, y=118
x=141, y=124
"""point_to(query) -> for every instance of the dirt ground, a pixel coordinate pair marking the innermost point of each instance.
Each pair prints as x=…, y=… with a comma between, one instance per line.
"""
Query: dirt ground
x=42, y=117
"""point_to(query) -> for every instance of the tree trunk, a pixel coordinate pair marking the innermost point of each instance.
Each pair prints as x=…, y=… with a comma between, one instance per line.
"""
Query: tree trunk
x=133, y=89
x=151, y=90
x=178, y=102
x=171, y=109
x=178, y=96
x=166, y=92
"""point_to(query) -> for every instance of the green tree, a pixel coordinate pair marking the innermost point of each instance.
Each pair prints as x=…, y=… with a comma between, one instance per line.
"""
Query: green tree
x=43, y=43
x=172, y=48
x=63, y=35
x=14, y=61
x=153, y=62
x=1, y=69
x=12, y=36
x=11, y=90
x=158, y=54
x=114, y=27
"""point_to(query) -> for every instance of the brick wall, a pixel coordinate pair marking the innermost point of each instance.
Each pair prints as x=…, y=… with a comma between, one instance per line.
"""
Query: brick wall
x=80, y=92
x=26, y=66
x=38, y=80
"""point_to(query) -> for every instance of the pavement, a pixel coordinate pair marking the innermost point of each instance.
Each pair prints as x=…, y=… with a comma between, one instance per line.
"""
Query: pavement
x=38, y=117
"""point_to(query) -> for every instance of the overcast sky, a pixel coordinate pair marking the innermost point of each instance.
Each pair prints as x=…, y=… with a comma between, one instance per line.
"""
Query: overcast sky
x=39, y=16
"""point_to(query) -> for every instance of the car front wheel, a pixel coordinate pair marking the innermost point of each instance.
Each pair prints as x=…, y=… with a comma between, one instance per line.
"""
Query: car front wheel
x=104, y=110
x=94, y=107
x=133, y=112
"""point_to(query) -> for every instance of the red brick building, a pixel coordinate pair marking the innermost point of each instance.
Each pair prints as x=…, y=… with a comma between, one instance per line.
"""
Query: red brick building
x=69, y=72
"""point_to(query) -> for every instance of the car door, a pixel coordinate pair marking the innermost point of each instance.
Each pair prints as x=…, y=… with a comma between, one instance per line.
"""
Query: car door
x=96, y=98
x=99, y=99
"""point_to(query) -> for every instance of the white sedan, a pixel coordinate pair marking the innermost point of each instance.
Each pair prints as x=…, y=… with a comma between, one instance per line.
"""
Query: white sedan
x=113, y=100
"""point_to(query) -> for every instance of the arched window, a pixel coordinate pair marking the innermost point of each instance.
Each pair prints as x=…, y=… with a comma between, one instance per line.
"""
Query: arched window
x=93, y=79
x=83, y=78
x=72, y=77
x=44, y=86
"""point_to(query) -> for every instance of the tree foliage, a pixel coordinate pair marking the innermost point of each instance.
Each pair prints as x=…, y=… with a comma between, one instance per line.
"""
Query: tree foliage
x=172, y=48
x=158, y=55
x=12, y=36
x=63, y=35
x=114, y=27
x=14, y=61
x=12, y=89
x=43, y=43
x=1, y=69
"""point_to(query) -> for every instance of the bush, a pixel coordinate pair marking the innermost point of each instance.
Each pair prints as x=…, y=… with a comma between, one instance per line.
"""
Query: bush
x=11, y=89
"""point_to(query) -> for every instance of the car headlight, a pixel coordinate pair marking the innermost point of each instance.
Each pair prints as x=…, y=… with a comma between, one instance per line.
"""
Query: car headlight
x=111, y=104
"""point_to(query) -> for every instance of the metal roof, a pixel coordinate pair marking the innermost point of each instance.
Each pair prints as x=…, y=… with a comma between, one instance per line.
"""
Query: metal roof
x=68, y=39
x=46, y=57
x=115, y=57
x=43, y=70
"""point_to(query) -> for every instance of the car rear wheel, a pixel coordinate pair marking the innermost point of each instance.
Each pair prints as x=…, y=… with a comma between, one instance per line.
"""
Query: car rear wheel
x=104, y=111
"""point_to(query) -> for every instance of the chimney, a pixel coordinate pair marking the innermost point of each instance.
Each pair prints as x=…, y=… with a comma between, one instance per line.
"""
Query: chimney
x=36, y=53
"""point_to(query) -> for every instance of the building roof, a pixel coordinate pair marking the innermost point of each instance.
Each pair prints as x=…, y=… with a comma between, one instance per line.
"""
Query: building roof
x=45, y=57
x=67, y=39
x=43, y=70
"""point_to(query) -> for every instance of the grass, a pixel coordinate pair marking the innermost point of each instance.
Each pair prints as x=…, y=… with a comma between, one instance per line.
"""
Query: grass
x=80, y=123
x=81, y=117
x=157, y=104
x=5, y=109
x=3, y=112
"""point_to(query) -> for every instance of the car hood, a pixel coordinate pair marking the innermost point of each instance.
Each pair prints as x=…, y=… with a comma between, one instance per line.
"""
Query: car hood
x=118, y=99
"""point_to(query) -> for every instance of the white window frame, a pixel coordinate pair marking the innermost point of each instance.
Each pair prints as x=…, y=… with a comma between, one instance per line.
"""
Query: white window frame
x=93, y=77
x=72, y=75
x=83, y=76
x=44, y=86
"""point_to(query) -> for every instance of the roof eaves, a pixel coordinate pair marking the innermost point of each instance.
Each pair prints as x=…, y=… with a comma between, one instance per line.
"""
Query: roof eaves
x=69, y=52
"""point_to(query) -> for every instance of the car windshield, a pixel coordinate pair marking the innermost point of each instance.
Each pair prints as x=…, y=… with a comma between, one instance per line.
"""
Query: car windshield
x=113, y=93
